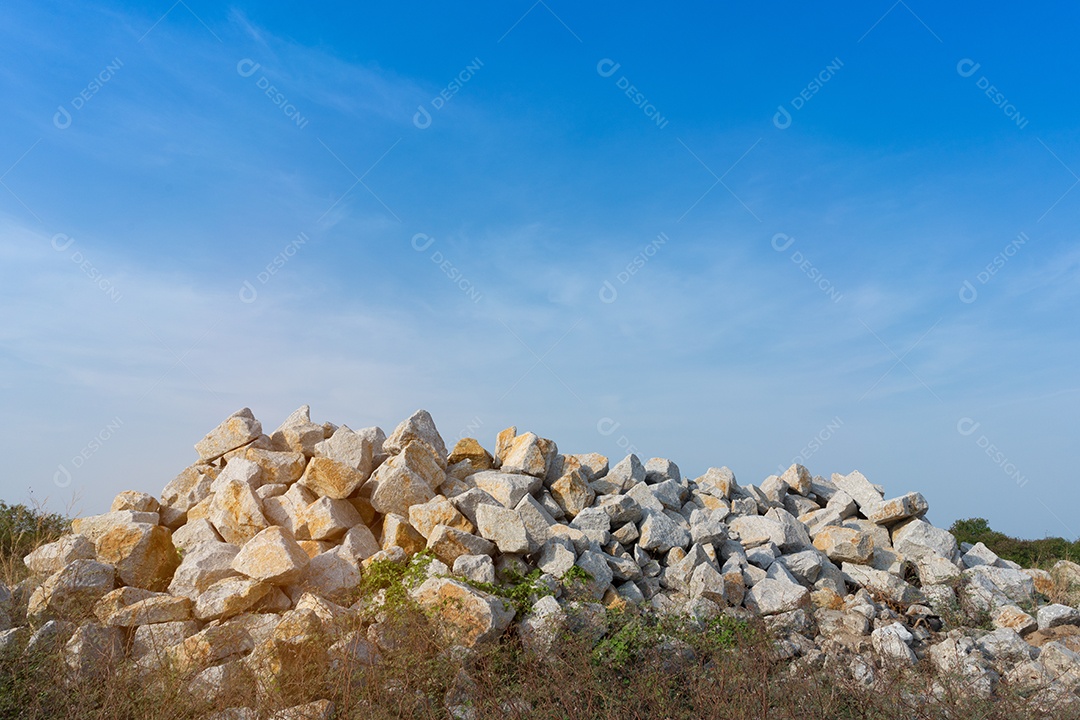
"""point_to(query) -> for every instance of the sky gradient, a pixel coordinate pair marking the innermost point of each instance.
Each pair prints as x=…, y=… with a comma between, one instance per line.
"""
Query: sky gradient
x=731, y=235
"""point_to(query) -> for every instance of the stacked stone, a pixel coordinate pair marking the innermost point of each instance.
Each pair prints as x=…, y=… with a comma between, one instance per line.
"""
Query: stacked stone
x=263, y=542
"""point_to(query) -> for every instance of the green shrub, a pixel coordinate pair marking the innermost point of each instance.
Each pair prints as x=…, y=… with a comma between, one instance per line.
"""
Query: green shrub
x=1028, y=553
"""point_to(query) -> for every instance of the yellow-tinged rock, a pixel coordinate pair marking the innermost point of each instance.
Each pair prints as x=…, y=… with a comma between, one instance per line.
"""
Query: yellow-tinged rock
x=142, y=554
x=332, y=479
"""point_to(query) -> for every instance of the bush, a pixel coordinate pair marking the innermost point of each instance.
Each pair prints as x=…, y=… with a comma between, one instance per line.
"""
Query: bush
x=21, y=530
x=1028, y=553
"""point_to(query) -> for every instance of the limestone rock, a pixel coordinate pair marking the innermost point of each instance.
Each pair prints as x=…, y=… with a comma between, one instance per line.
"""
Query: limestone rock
x=917, y=538
x=160, y=608
x=769, y=597
x=502, y=527
x=437, y=511
x=448, y=544
x=419, y=426
x=860, y=489
x=799, y=479
x=477, y=568
x=93, y=651
x=901, y=508
x=201, y=567
x=52, y=557
x=1056, y=615
x=272, y=556
x=356, y=450
x=298, y=433
x=1012, y=617
x=153, y=641
x=845, y=545
x=528, y=455
x=506, y=488
x=72, y=591
x=572, y=493
x=228, y=597
x=469, y=450
x=397, y=532
x=331, y=479
x=659, y=532
x=409, y=478
x=237, y=430
x=142, y=554
x=468, y=616
x=189, y=488
x=94, y=526
x=278, y=467
x=332, y=574
x=236, y=512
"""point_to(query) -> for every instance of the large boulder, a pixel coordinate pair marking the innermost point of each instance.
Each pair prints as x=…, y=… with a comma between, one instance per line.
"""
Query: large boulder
x=272, y=556
x=51, y=557
x=236, y=512
x=406, y=479
x=73, y=591
x=467, y=616
x=419, y=426
x=333, y=479
x=143, y=554
x=237, y=430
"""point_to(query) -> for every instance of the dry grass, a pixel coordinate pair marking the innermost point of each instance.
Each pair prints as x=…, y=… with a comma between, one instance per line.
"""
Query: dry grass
x=732, y=672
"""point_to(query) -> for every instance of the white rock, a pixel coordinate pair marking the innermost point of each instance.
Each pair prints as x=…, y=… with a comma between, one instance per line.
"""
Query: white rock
x=1056, y=615
x=769, y=597
x=503, y=527
x=237, y=430
x=478, y=568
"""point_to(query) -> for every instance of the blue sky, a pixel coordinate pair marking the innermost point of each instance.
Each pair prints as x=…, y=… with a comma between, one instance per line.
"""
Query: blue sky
x=732, y=235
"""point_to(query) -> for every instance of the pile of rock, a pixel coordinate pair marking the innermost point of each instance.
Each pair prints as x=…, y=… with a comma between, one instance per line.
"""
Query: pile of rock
x=263, y=542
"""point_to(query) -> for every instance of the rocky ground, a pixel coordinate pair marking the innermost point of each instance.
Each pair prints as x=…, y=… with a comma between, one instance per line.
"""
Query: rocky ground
x=319, y=534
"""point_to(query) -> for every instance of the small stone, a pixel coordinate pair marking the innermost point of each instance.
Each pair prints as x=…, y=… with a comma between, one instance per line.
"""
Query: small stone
x=599, y=574
x=237, y=430
x=271, y=556
x=799, y=479
x=556, y=557
x=469, y=450
x=892, y=641
x=359, y=542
